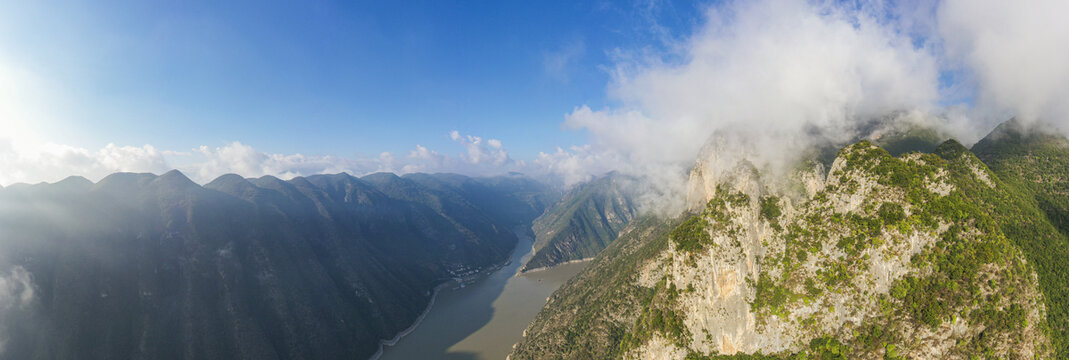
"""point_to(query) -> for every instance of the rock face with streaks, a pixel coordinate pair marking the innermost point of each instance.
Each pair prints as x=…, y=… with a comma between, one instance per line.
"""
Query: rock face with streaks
x=914, y=256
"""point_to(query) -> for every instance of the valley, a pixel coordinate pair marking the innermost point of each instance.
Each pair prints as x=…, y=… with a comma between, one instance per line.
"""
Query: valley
x=484, y=318
x=534, y=180
x=147, y=266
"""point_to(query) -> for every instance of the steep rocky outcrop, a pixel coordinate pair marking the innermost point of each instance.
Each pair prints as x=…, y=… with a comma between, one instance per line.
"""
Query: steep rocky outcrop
x=916, y=256
x=139, y=266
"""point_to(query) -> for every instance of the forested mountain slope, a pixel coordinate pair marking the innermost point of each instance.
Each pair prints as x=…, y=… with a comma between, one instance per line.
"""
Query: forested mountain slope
x=1035, y=162
x=139, y=266
x=585, y=221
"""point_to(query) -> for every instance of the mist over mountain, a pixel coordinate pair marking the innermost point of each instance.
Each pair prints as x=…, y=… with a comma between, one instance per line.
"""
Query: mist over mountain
x=325, y=266
x=791, y=179
x=923, y=255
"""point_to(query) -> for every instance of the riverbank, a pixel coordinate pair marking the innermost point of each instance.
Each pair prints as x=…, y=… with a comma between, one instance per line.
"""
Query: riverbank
x=451, y=285
x=544, y=268
x=483, y=319
x=410, y=329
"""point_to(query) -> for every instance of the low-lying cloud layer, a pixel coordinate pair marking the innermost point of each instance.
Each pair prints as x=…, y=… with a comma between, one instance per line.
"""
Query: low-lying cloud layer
x=51, y=162
x=777, y=76
x=16, y=293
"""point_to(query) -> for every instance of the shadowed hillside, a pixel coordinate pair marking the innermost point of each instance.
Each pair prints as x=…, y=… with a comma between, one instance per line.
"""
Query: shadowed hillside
x=140, y=266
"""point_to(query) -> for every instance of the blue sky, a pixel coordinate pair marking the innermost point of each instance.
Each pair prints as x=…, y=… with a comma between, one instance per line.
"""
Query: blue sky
x=323, y=77
x=561, y=90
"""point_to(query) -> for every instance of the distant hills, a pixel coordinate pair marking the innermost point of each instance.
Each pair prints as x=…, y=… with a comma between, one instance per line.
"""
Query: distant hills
x=139, y=266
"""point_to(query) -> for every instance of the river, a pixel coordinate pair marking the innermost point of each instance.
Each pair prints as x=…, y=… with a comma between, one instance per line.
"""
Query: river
x=484, y=319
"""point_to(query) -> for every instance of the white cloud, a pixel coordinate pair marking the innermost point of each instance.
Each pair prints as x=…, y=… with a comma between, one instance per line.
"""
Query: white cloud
x=775, y=75
x=52, y=162
x=770, y=66
x=1016, y=51
x=577, y=164
x=16, y=293
x=781, y=74
x=16, y=288
x=130, y=158
x=425, y=160
x=244, y=160
x=31, y=103
x=479, y=151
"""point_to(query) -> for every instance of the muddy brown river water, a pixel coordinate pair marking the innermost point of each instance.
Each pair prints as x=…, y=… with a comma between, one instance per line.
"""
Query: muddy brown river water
x=484, y=319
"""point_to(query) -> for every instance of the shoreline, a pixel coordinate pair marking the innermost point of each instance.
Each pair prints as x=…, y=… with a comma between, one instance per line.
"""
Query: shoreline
x=544, y=268
x=460, y=283
x=391, y=342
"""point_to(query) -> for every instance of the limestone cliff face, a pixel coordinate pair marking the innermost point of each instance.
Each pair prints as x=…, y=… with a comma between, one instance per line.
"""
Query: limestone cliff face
x=770, y=281
x=877, y=257
x=709, y=169
x=718, y=164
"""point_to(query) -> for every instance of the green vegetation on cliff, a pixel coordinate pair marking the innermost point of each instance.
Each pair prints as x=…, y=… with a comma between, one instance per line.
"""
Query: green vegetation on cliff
x=590, y=315
x=584, y=221
x=913, y=246
x=1034, y=166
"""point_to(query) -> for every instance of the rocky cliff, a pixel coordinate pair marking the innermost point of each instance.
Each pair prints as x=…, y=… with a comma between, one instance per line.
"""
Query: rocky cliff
x=915, y=256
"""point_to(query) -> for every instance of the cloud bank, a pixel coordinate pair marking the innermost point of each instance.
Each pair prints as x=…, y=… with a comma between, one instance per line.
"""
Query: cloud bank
x=1016, y=53
x=773, y=77
x=51, y=162
x=782, y=75
x=16, y=293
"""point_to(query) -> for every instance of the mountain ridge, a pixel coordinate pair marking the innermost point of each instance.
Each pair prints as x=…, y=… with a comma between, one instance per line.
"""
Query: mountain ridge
x=156, y=266
x=665, y=293
x=584, y=221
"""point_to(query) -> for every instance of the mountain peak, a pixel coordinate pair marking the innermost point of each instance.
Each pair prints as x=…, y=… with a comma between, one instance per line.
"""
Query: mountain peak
x=232, y=184
x=951, y=149
x=175, y=178
x=77, y=183
x=381, y=176
x=226, y=180
x=121, y=181
x=266, y=180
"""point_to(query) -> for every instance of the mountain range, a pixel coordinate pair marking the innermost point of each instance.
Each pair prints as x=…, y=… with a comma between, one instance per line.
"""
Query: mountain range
x=139, y=266
x=900, y=244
